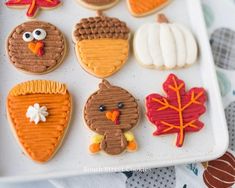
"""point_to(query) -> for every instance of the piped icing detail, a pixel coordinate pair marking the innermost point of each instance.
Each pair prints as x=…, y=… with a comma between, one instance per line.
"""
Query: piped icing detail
x=179, y=111
x=36, y=113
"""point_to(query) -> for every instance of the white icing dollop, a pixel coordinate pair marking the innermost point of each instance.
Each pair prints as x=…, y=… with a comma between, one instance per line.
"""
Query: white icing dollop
x=36, y=113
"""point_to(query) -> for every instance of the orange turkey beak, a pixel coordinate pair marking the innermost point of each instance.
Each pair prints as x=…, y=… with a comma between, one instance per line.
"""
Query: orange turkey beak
x=113, y=116
x=37, y=48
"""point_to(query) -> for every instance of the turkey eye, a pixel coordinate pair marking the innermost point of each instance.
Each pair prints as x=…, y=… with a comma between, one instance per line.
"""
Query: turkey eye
x=120, y=105
x=39, y=34
x=102, y=108
x=27, y=37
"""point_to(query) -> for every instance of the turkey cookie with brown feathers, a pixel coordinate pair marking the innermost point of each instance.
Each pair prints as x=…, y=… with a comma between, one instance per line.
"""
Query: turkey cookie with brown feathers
x=36, y=47
x=111, y=112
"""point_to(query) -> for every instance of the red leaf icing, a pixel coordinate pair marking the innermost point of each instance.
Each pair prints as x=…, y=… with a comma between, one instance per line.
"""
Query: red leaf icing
x=34, y=5
x=179, y=111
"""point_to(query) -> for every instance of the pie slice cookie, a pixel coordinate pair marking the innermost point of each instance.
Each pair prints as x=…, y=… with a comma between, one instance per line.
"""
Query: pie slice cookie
x=39, y=113
x=98, y=4
x=101, y=45
x=141, y=8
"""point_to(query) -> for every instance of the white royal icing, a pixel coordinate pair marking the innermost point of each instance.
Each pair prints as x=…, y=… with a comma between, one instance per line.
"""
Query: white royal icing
x=165, y=45
x=36, y=113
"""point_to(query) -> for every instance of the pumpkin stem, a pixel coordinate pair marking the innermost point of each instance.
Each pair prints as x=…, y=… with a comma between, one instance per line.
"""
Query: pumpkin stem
x=99, y=13
x=161, y=18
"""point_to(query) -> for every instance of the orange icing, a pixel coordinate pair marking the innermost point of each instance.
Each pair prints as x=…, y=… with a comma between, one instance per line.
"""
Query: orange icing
x=141, y=7
x=132, y=145
x=39, y=141
x=94, y=148
x=103, y=57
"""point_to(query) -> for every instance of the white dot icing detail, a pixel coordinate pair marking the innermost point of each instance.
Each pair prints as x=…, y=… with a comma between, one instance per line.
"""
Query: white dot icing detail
x=27, y=37
x=36, y=113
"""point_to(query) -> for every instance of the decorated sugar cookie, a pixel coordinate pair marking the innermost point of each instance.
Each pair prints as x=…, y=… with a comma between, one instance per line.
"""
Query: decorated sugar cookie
x=39, y=113
x=33, y=5
x=220, y=172
x=111, y=112
x=179, y=111
x=164, y=45
x=36, y=47
x=141, y=8
x=98, y=4
x=101, y=44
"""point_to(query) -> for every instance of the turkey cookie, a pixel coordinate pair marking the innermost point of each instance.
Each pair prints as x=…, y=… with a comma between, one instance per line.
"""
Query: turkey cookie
x=39, y=113
x=165, y=45
x=140, y=8
x=111, y=112
x=101, y=44
x=178, y=112
x=98, y=4
x=36, y=47
x=33, y=5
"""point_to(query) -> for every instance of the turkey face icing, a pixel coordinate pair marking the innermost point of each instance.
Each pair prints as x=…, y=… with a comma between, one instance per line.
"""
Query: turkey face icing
x=164, y=45
x=111, y=112
x=35, y=41
x=36, y=47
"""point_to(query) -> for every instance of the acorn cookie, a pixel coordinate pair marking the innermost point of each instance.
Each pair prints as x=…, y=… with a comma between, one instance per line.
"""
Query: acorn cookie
x=39, y=113
x=164, y=45
x=36, y=47
x=101, y=44
x=98, y=4
x=141, y=8
x=111, y=112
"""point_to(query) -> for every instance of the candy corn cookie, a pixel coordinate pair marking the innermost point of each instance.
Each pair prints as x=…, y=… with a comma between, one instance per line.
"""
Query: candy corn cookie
x=36, y=47
x=39, y=112
x=101, y=45
x=111, y=112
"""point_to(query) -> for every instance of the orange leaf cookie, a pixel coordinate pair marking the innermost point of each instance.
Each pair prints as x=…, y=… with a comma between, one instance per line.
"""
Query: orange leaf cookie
x=179, y=112
x=111, y=112
x=140, y=8
x=98, y=4
x=101, y=44
x=36, y=47
x=39, y=113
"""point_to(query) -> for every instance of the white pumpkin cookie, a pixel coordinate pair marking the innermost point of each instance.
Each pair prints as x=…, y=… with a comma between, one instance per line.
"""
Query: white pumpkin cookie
x=165, y=45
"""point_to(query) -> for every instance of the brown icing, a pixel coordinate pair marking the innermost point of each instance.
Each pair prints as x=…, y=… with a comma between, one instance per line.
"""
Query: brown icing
x=22, y=58
x=220, y=172
x=98, y=2
x=114, y=141
x=101, y=27
x=40, y=141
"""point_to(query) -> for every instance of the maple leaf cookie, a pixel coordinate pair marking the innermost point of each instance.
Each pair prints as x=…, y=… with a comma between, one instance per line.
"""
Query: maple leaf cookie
x=179, y=111
x=33, y=5
x=101, y=44
x=39, y=113
x=36, y=47
x=164, y=45
x=141, y=8
x=111, y=112
x=98, y=4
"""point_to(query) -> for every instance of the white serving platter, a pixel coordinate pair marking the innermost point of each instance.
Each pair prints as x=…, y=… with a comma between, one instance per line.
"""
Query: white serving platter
x=73, y=157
